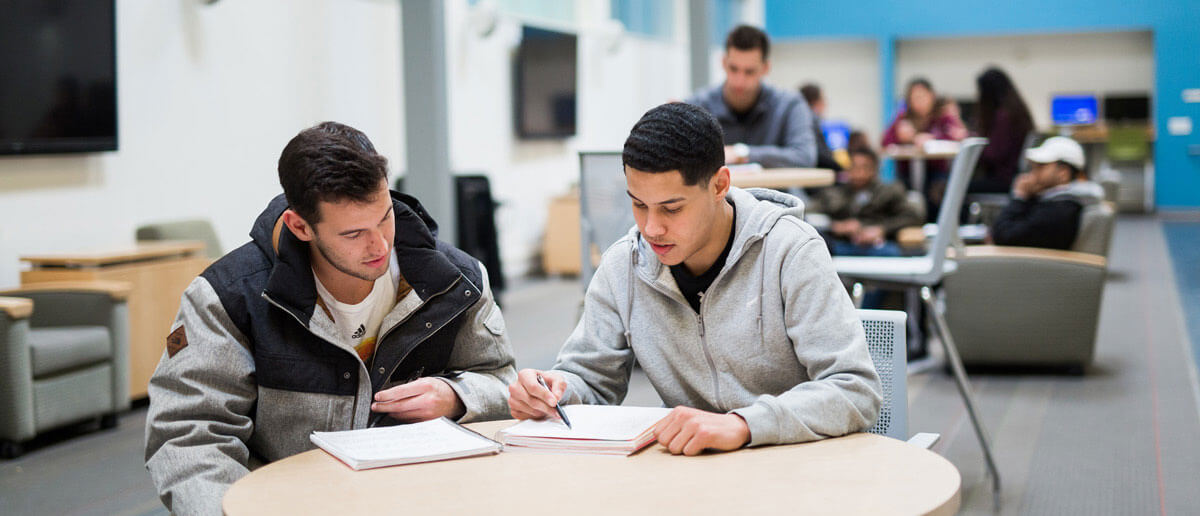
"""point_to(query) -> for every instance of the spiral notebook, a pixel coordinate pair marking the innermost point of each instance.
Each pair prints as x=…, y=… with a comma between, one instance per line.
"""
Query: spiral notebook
x=433, y=440
x=595, y=429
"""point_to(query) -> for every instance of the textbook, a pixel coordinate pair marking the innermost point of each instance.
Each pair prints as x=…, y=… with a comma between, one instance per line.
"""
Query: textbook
x=433, y=440
x=595, y=429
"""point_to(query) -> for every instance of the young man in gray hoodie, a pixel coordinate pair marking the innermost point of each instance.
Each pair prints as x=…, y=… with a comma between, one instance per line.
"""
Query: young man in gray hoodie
x=728, y=301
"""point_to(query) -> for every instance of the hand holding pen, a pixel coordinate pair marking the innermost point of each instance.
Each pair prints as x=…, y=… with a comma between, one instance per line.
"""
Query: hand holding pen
x=536, y=395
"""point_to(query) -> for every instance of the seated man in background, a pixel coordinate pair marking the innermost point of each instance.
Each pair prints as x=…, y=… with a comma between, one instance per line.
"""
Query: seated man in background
x=728, y=301
x=762, y=124
x=865, y=212
x=816, y=102
x=343, y=312
x=1047, y=201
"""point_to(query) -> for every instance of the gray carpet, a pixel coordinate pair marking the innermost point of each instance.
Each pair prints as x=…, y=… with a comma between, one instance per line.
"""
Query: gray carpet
x=1118, y=440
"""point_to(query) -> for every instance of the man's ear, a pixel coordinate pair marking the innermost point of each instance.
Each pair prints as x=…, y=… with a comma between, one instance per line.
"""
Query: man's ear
x=298, y=225
x=766, y=67
x=720, y=182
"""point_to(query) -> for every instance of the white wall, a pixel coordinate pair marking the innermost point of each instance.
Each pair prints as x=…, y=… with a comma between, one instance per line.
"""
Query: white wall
x=1040, y=65
x=847, y=72
x=208, y=96
x=619, y=78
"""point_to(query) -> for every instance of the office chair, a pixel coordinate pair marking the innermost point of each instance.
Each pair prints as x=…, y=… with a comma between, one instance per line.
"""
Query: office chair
x=927, y=273
x=884, y=330
x=604, y=209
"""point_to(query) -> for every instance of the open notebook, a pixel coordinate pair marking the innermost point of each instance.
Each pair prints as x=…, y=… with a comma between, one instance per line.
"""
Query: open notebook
x=436, y=439
x=596, y=429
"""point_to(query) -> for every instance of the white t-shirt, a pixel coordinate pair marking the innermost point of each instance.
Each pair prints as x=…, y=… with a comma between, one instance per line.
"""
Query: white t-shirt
x=358, y=324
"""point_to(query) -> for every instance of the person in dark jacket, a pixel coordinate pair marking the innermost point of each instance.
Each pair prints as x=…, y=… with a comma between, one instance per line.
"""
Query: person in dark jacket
x=343, y=312
x=762, y=124
x=816, y=102
x=866, y=213
x=1047, y=201
x=1005, y=121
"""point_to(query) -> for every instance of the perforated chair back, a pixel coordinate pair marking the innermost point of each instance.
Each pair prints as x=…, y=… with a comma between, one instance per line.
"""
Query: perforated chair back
x=605, y=213
x=885, y=342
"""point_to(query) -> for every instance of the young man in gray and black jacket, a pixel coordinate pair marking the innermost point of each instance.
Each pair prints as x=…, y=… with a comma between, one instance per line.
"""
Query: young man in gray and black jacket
x=725, y=297
x=343, y=312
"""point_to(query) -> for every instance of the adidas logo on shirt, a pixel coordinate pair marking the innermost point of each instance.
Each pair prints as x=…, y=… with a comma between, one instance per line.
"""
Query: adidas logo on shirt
x=362, y=330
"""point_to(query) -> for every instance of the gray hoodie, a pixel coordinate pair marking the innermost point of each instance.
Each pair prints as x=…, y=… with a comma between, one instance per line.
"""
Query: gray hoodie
x=777, y=340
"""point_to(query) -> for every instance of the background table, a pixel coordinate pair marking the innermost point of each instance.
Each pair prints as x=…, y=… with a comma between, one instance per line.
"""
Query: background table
x=783, y=178
x=158, y=273
x=856, y=474
x=916, y=158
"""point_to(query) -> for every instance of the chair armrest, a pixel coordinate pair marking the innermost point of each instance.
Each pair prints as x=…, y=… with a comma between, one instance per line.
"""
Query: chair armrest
x=16, y=307
x=1034, y=253
x=72, y=303
x=116, y=290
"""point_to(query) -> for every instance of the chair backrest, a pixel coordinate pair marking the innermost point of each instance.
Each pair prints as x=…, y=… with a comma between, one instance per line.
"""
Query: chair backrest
x=605, y=212
x=1095, y=229
x=885, y=342
x=952, y=200
x=195, y=229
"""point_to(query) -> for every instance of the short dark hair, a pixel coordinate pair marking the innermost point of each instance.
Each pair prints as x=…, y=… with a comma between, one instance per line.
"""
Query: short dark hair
x=329, y=162
x=811, y=93
x=746, y=37
x=676, y=136
x=865, y=151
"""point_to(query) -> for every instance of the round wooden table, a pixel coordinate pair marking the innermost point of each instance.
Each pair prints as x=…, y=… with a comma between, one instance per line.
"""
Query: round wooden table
x=856, y=474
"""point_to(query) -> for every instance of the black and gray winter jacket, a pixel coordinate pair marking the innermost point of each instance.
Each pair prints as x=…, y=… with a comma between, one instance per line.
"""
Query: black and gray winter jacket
x=253, y=365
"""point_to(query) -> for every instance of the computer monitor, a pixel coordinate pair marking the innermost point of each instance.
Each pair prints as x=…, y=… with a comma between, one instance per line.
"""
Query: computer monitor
x=1073, y=109
x=836, y=132
x=1127, y=108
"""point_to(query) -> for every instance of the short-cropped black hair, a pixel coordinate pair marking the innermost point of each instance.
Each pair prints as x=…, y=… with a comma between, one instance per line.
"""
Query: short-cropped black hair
x=747, y=37
x=865, y=151
x=676, y=136
x=329, y=162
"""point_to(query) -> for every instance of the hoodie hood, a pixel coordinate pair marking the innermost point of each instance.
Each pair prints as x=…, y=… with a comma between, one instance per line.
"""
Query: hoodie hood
x=758, y=210
x=1086, y=192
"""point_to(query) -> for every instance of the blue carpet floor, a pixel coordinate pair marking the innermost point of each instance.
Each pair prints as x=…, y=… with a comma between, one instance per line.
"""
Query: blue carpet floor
x=1183, y=244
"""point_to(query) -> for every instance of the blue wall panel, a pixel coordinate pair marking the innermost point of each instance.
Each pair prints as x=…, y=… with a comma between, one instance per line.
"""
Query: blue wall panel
x=1175, y=24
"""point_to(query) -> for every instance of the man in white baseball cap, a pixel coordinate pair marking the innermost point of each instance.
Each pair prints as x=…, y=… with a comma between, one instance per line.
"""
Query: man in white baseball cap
x=1047, y=200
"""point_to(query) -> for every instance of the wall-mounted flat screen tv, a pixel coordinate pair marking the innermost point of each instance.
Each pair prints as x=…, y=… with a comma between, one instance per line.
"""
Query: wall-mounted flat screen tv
x=58, y=76
x=545, y=84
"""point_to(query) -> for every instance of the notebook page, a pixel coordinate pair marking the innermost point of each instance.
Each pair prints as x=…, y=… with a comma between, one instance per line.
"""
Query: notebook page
x=435, y=437
x=604, y=422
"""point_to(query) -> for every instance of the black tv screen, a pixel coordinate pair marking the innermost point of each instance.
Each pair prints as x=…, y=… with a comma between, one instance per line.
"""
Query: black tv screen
x=58, y=76
x=545, y=84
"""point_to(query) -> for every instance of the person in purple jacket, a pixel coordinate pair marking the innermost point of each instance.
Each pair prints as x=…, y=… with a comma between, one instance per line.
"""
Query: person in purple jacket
x=1005, y=121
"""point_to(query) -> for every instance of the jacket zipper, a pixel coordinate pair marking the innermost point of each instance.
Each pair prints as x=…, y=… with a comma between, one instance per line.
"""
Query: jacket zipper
x=301, y=323
x=407, y=317
x=712, y=366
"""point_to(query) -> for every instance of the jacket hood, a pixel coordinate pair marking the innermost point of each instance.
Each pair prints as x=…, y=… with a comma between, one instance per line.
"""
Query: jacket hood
x=1086, y=192
x=757, y=211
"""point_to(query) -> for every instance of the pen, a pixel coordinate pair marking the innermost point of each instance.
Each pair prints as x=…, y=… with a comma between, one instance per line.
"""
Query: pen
x=557, y=406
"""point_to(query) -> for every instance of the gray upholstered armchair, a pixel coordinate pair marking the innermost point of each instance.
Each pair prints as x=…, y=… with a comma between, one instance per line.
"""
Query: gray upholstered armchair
x=1022, y=306
x=1031, y=307
x=193, y=229
x=64, y=357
